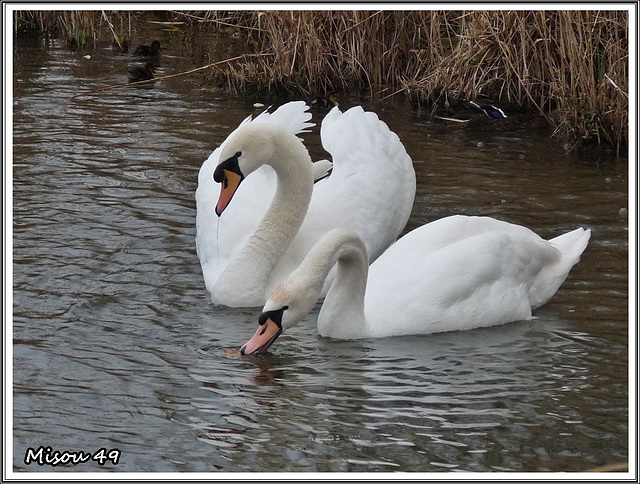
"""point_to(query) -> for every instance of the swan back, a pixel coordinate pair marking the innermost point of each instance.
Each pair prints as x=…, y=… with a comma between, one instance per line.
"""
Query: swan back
x=374, y=177
x=462, y=272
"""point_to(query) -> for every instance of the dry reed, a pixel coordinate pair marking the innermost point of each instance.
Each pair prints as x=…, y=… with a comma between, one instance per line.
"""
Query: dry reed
x=570, y=67
x=81, y=28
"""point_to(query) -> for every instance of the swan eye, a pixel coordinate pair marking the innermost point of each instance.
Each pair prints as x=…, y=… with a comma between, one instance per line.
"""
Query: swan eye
x=275, y=316
x=238, y=154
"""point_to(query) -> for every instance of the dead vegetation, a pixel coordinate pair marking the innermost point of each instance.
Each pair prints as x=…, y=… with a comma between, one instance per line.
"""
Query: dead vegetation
x=570, y=67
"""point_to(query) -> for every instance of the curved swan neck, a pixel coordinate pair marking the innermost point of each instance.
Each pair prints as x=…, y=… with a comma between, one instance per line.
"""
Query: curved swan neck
x=342, y=313
x=251, y=269
x=294, y=188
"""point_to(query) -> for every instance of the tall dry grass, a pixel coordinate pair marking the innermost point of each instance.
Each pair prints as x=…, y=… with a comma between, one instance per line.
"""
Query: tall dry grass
x=589, y=74
x=321, y=51
x=80, y=28
x=571, y=67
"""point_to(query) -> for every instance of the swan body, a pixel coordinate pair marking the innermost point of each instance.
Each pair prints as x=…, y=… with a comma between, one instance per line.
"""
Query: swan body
x=219, y=240
x=456, y=273
x=266, y=228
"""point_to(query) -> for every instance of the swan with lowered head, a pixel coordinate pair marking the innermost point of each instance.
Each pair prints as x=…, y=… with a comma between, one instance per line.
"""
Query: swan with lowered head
x=249, y=249
x=456, y=273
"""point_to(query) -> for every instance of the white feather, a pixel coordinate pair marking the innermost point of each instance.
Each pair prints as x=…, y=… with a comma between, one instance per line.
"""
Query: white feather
x=370, y=190
x=456, y=273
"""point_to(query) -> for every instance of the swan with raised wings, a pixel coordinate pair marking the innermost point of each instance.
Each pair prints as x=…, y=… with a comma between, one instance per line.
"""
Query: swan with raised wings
x=456, y=273
x=250, y=248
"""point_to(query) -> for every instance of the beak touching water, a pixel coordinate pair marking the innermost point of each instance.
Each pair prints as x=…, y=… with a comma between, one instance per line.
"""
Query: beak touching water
x=267, y=333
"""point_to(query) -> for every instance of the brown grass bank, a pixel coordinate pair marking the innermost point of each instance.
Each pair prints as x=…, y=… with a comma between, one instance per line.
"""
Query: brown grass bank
x=570, y=67
x=80, y=28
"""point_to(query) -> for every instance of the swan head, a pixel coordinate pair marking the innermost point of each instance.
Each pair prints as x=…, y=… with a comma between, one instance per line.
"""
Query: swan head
x=286, y=307
x=251, y=147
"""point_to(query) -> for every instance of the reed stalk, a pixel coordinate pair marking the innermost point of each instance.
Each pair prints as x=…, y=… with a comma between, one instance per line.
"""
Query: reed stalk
x=569, y=67
x=80, y=28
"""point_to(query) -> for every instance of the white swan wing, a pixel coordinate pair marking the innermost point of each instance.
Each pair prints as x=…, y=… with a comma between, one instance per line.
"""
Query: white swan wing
x=370, y=190
x=218, y=239
x=372, y=187
x=461, y=273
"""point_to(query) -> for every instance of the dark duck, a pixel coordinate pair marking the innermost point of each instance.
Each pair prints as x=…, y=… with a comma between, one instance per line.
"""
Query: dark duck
x=490, y=110
x=152, y=50
x=476, y=113
x=141, y=73
x=120, y=46
x=324, y=102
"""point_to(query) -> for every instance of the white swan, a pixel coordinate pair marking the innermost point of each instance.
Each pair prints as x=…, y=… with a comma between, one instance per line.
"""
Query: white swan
x=247, y=251
x=456, y=273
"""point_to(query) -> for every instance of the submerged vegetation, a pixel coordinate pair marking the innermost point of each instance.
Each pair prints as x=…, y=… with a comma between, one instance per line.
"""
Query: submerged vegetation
x=568, y=67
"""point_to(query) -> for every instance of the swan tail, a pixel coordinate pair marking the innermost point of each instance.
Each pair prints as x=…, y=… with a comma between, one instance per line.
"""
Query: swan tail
x=570, y=246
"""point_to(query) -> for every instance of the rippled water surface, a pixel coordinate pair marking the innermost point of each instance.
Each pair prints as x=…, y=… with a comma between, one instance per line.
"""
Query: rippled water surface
x=117, y=345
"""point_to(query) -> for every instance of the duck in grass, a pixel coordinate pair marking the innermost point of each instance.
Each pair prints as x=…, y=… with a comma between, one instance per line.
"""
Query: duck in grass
x=141, y=73
x=325, y=102
x=489, y=115
x=492, y=111
x=477, y=113
x=152, y=50
x=120, y=46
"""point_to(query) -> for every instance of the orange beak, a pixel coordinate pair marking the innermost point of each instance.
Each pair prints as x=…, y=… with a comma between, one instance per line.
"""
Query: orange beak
x=230, y=184
x=267, y=333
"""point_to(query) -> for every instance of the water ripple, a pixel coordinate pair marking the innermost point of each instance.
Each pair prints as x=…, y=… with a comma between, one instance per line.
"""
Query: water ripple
x=116, y=343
